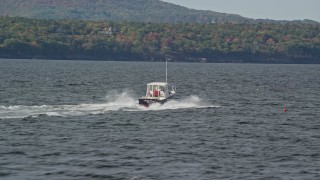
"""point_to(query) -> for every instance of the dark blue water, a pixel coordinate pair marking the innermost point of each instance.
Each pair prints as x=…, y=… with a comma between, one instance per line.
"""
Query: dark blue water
x=80, y=120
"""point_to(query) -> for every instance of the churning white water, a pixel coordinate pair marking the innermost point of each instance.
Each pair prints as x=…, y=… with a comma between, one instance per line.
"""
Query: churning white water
x=115, y=101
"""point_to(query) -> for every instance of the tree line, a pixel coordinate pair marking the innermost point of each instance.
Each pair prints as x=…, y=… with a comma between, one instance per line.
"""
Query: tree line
x=108, y=40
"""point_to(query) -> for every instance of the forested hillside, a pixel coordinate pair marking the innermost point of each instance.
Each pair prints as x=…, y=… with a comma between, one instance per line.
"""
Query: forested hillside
x=116, y=10
x=106, y=40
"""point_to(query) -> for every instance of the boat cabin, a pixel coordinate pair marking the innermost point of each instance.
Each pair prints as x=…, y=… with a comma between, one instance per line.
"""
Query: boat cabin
x=157, y=90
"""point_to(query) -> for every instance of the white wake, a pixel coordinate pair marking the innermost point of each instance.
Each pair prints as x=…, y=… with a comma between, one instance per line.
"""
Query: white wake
x=114, y=102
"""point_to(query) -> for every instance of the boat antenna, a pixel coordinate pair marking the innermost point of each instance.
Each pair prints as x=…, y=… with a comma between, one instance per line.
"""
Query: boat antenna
x=166, y=70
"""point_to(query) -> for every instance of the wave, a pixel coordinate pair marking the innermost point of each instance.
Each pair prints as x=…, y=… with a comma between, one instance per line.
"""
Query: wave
x=115, y=101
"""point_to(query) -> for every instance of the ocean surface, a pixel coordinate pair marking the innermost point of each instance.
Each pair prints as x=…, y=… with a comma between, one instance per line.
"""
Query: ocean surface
x=81, y=120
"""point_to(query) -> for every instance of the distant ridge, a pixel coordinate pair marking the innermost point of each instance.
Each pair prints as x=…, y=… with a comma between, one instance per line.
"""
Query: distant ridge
x=155, y=11
x=115, y=10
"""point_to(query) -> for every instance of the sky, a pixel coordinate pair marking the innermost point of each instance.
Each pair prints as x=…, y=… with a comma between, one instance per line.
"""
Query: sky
x=259, y=9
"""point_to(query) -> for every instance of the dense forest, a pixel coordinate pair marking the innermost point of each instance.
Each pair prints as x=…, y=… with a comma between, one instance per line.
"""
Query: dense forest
x=107, y=40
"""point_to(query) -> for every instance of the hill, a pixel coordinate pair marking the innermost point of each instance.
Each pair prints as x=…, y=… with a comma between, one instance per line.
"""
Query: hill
x=113, y=10
x=154, y=11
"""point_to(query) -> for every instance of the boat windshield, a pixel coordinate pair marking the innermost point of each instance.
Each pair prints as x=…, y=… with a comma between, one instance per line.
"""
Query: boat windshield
x=156, y=91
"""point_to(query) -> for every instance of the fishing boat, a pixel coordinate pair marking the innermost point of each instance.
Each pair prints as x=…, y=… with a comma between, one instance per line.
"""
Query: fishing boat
x=158, y=92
